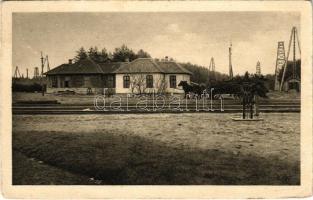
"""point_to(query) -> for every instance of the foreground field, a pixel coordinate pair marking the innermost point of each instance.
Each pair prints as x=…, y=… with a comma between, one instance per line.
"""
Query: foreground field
x=162, y=148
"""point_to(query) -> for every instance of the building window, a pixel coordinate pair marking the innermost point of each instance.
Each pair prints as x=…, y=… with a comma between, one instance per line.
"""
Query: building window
x=54, y=81
x=172, y=81
x=86, y=81
x=126, y=81
x=67, y=82
x=110, y=82
x=149, y=81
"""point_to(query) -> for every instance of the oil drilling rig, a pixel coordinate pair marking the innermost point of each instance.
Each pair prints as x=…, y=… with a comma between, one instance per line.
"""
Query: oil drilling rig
x=280, y=63
x=258, y=69
x=17, y=73
x=287, y=73
x=212, y=75
x=44, y=61
x=36, y=72
x=45, y=66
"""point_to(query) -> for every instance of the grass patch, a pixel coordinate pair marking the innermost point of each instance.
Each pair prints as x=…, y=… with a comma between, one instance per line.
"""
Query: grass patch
x=29, y=171
x=127, y=159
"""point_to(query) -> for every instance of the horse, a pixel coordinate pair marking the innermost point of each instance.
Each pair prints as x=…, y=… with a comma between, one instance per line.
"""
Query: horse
x=195, y=89
x=218, y=89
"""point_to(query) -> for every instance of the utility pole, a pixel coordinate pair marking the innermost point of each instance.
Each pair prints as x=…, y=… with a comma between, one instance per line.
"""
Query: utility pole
x=27, y=73
x=230, y=63
x=41, y=77
x=42, y=64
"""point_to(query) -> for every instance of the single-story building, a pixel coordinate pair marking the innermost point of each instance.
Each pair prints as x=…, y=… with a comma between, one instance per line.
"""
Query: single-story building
x=143, y=75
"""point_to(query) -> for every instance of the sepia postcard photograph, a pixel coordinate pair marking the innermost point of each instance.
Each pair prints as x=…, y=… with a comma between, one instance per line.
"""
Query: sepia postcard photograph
x=156, y=99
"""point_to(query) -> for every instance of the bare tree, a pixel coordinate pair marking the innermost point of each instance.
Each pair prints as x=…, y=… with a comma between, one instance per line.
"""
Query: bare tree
x=138, y=83
x=161, y=84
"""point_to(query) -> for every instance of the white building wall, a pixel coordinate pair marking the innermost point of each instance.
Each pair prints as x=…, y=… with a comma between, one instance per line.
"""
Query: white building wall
x=157, y=79
x=179, y=78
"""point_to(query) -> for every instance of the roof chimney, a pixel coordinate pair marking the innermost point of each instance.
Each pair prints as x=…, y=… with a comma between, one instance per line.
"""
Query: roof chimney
x=70, y=61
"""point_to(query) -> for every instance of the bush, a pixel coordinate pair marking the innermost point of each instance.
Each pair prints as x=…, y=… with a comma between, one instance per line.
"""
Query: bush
x=18, y=87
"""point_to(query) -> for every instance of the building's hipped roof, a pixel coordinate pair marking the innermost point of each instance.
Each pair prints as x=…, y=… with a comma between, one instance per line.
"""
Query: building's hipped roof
x=171, y=67
x=140, y=65
x=86, y=66
x=77, y=68
x=109, y=68
x=148, y=65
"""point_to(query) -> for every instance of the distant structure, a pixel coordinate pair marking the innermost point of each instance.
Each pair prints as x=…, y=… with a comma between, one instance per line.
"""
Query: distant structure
x=292, y=82
x=44, y=62
x=17, y=73
x=48, y=66
x=280, y=63
x=212, y=75
x=36, y=72
x=258, y=68
x=27, y=73
x=230, y=63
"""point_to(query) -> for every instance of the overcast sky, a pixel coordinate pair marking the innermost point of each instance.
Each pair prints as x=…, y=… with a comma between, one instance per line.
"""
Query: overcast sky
x=187, y=37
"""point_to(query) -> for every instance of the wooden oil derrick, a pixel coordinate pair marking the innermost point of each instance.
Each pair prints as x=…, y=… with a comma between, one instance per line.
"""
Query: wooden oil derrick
x=45, y=66
x=258, y=68
x=212, y=75
x=292, y=41
x=280, y=63
x=36, y=72
x=17, y=73
x=47, y=60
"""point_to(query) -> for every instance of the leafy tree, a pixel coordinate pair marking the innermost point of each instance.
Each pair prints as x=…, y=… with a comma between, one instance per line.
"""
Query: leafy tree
x=142, y=54
x=270, y=81
x=110, y=57
x=80, y=54
x=92, y=53
x=104, y=56
x=201, y=75
x=123, y=54
x=247, y=88
x=96, y=55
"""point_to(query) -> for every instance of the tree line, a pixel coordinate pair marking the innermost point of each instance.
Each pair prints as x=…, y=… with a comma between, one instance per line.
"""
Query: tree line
x=202, y=75
x=120, y=54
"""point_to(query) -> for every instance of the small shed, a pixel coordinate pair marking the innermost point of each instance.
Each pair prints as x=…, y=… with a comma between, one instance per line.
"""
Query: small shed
x=292, y=84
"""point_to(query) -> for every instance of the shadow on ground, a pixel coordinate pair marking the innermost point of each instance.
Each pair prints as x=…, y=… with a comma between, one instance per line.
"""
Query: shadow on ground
x=132, y=160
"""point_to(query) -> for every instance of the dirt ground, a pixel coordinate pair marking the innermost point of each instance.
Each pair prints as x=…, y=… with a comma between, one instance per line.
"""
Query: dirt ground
x=204, y=148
